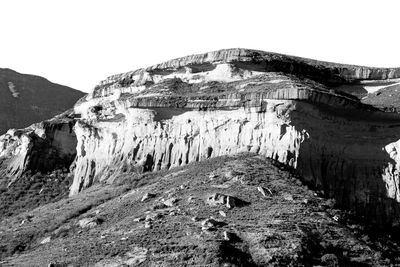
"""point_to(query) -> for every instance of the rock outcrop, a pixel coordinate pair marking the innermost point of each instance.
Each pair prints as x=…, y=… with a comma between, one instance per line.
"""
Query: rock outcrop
x=42, y=147
x=26, y=99
x=221, y=103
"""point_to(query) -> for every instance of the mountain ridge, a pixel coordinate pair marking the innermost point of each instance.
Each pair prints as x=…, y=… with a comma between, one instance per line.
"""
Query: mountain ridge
x=26, y=98
x=236, y=53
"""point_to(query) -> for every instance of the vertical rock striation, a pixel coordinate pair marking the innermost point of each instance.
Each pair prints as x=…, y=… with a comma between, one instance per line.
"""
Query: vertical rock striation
x=42, y=147
x=140, y=142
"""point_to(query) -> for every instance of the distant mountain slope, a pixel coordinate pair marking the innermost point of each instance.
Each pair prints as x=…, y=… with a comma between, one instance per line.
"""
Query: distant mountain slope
x=26, y=99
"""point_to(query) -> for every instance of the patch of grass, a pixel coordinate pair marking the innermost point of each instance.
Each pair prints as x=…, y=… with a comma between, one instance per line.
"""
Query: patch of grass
x=30, y=192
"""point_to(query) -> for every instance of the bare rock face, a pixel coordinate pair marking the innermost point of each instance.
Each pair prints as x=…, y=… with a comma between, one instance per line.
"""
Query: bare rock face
x=42, y=147
x=225, y=102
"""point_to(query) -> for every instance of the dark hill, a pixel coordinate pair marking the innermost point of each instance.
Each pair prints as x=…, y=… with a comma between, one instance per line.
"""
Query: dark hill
x=26, y=99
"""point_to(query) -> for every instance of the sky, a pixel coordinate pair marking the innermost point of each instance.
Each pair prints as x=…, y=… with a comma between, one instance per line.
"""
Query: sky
x=80, y=42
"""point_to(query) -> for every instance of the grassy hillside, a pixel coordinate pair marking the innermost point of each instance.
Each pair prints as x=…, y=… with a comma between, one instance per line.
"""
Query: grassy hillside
x=26, y=99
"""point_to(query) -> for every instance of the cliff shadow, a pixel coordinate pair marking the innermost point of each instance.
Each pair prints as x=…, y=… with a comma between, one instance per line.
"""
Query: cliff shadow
x=344, y=157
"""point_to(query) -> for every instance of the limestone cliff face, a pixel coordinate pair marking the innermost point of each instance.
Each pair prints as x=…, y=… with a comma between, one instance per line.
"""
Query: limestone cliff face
x=141, y=142
x=42, y=147
x=246, y=60
x=223, y=103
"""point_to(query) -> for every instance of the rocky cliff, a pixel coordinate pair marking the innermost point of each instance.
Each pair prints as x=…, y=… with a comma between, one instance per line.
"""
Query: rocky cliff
x=300, y=112
x=26, y=99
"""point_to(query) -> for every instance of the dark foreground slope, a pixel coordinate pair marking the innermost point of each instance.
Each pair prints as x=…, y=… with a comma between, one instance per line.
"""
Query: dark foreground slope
x=187, y=219
x=26, y=99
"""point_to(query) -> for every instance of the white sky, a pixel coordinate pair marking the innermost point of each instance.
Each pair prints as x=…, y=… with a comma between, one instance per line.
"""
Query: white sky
x=80, y=42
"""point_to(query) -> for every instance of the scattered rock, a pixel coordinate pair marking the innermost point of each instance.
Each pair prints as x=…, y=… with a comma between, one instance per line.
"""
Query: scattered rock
x=195, y=219
x=262, y=191
x=147, y=224
x=170, y=202
x=212, y=175
x=138, y=219
x=222, y=213
x=46, y=240
x=217, y=199
x=153, y=216
x=211, y=224
x=159, y=206
x=229, y=201
x=27, y=219
x=229, y=236
x=89, y=222
x=147, y=196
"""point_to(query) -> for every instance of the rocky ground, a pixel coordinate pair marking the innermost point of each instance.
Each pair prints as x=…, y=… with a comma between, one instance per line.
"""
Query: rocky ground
x=241, y=210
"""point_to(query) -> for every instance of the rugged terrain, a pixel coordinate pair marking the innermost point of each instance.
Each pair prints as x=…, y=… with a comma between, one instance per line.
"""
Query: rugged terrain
x=243, y=210
x=26, y=99
x=330, y=124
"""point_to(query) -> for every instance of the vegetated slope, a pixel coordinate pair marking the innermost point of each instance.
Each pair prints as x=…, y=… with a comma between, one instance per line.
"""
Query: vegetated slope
x=241, y=210
x=387, y=98
x=26, y=99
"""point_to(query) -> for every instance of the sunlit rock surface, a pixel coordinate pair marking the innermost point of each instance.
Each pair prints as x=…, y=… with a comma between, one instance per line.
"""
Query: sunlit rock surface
x=300, y=112
x=42, y=147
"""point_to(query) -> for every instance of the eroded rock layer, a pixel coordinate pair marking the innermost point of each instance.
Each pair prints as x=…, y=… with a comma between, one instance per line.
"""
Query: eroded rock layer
x=42, y=147
x=222, y=103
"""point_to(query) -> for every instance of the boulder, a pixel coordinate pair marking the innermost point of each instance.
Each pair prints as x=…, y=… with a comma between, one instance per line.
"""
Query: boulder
x=147, y=196
x=89, y=222
x=170, y=202
x=222, y=199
